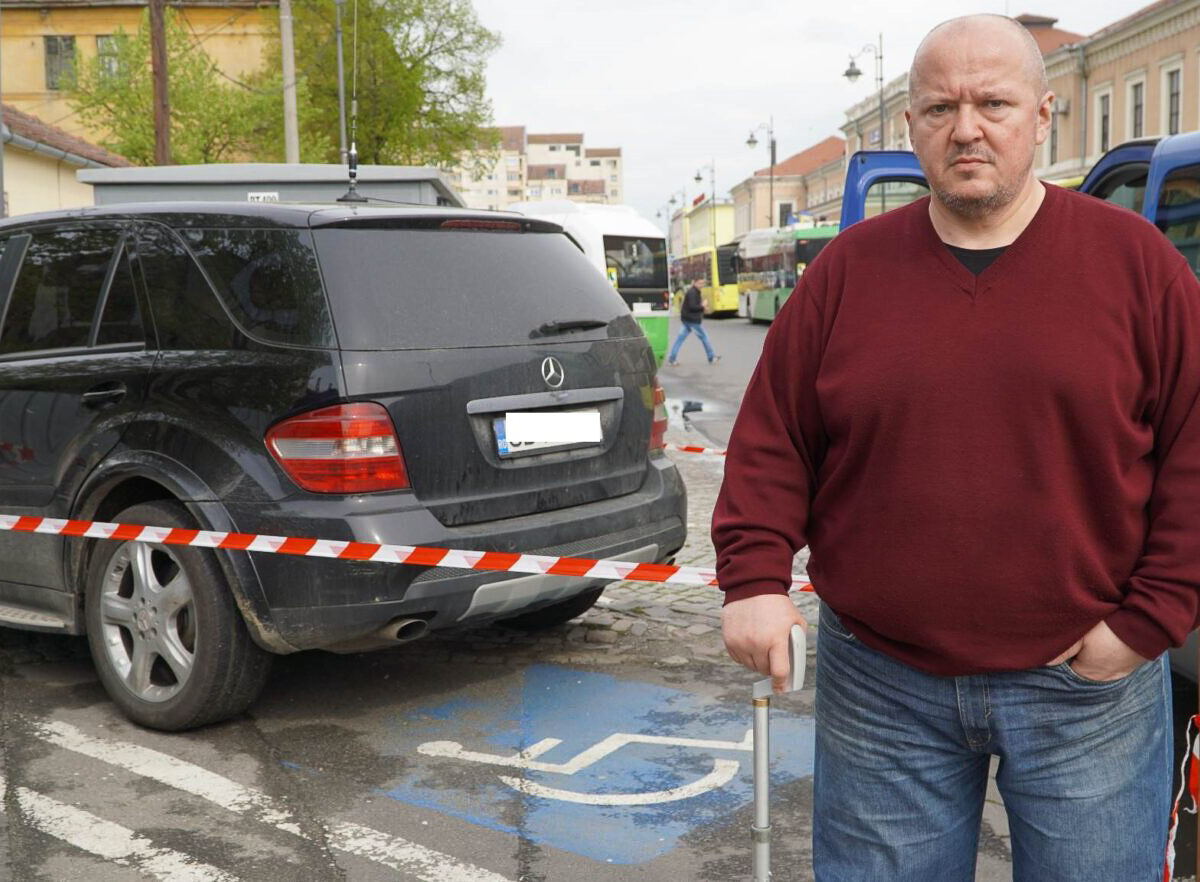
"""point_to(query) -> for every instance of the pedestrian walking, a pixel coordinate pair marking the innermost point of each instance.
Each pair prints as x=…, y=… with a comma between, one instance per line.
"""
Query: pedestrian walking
x=979, y=412
x=691, y=315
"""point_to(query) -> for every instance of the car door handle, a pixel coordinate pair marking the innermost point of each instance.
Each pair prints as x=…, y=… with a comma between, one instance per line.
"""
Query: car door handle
x=105, y=393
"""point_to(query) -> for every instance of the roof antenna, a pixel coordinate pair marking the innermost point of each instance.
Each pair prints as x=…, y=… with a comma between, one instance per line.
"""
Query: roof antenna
x=352, y=194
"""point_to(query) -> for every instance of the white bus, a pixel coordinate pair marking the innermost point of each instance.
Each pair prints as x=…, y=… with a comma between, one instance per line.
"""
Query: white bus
x=627, y=248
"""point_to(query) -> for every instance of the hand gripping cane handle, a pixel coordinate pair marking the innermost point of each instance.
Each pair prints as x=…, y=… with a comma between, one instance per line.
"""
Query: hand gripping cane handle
x=761, y=831
x=797, y=654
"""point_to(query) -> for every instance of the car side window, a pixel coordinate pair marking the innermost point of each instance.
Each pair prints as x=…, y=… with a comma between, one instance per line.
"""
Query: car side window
x=269, y=282
x=57, y=290
x=121, y=321
x=886, y=195
x=184, y=307
x=1124, y=186
x=1178, y=213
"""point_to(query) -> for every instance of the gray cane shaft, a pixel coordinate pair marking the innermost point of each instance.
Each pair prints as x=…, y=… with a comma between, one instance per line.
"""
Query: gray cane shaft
x=762, y=801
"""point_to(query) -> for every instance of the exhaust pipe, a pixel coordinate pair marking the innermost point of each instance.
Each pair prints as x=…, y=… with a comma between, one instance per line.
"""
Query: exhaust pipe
x=395, y=632
x=405, y=630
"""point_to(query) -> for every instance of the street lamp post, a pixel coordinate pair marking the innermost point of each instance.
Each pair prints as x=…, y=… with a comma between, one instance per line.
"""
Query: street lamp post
x=852, y=73
x=752, y=142
x=670, y=213
x=664, y=211
x=712, y=198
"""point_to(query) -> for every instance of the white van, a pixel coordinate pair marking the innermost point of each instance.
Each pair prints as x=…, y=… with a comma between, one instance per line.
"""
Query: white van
x=619, y=242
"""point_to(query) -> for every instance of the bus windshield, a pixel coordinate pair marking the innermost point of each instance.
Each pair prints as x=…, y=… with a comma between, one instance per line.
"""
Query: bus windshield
x=639, y=261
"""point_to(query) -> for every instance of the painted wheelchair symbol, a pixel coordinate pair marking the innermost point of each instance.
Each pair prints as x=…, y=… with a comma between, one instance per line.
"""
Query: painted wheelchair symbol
x=722, y=772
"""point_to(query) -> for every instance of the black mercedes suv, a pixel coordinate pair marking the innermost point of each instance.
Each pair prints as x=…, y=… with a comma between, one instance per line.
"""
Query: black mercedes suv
x=328, y=372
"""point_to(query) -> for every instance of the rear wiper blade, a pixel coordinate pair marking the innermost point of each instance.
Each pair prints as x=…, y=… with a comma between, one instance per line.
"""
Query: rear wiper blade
x=569, y=325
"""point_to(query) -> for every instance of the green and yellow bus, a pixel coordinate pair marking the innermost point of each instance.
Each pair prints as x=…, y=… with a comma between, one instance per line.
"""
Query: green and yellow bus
x=719, y=270
x=770, y=262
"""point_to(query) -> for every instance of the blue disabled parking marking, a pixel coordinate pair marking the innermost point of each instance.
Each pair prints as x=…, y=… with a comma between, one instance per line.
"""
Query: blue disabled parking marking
x=610, y=769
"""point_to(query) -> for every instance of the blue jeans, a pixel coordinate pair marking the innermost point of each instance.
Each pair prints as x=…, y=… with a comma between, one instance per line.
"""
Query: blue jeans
x=902, y=765
x=688, y=328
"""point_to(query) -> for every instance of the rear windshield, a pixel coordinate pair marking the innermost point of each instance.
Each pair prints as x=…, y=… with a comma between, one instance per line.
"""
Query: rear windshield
x=639, y=261
x=446, y=289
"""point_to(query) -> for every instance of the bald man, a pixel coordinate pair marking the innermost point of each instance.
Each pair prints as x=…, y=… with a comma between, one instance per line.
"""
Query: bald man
x=978, y=412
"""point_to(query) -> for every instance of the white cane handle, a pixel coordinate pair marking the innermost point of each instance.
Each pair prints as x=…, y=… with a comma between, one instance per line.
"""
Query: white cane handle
x=797, y=656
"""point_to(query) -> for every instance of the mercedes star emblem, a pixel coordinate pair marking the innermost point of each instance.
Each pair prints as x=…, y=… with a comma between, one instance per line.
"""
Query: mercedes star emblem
x=552, y=372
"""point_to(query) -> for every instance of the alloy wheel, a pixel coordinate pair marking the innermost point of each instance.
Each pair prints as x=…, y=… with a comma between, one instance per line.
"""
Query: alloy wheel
x=148, y=620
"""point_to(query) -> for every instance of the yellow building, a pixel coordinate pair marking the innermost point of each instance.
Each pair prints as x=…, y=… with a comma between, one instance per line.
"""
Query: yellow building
x=40, y=38
x=700, y=220
x=40, y=162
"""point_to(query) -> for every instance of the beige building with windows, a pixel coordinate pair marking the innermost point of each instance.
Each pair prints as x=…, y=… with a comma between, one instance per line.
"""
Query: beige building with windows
x=537, y=167
x=40, y=38
x=804, y=184
x=1136, y=78
x=862, y=126
x=602, y=164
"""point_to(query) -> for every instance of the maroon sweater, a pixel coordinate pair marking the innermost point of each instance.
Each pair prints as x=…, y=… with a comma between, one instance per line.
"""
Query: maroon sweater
x=984, y=467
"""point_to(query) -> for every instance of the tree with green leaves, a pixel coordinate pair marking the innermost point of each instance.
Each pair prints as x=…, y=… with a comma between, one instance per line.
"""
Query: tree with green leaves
x=213, y=118
x=421, y=88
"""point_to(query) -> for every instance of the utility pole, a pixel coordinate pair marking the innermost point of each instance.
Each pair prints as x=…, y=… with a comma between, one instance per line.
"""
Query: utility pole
x=158, y=71
x=771, y=192
x=338, y=4
x=291, y=137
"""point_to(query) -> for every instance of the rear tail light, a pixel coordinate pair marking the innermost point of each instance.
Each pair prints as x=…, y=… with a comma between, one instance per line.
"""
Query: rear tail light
x=347, y=448
x=658, y=430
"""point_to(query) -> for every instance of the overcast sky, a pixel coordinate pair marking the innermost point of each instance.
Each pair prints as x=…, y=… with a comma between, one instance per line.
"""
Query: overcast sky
x=678, y=84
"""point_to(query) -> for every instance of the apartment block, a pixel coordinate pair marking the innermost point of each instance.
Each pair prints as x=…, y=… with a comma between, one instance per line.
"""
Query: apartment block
x=535, y=167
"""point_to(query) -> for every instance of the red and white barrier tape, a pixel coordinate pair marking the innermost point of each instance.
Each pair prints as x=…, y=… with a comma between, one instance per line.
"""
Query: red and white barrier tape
x=495, y=561
x=1189, y=778
x=689, y=448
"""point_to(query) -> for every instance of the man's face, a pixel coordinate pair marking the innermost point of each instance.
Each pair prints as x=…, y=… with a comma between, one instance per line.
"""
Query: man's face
x=975, y=117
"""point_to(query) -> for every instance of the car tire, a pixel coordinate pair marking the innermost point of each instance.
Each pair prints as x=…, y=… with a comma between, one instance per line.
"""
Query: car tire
x=556, y=613
x=168, y=611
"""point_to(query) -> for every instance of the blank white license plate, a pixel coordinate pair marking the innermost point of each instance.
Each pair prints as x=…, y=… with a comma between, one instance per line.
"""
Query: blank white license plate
x=518, y=432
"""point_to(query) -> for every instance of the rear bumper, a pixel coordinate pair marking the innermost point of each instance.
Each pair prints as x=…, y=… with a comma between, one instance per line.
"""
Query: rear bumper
x=315, y=602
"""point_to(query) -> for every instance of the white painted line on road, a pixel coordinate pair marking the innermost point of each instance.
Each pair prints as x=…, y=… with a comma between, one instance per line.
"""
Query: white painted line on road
x=382, y=848
x=111, y=841
x=171, y=771
x=407, y=857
